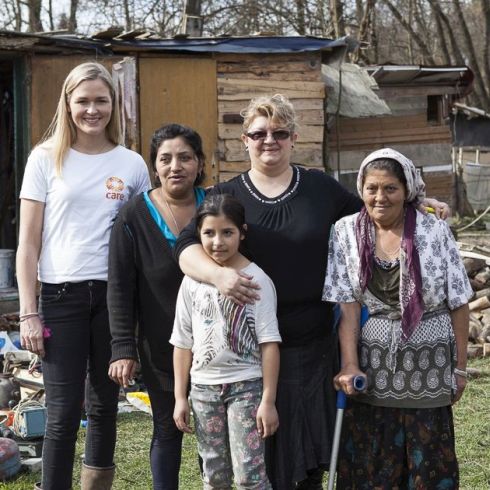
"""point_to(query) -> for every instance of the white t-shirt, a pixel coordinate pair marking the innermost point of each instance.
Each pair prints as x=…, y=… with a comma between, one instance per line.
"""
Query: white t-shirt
x=225, y=337
x=80, y=208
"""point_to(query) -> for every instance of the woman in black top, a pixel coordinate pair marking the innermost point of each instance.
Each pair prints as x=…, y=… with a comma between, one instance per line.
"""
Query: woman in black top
x=289, y=212
x=144, y=280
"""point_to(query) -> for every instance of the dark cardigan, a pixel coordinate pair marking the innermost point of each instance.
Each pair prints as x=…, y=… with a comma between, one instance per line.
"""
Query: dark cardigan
x=144, y=281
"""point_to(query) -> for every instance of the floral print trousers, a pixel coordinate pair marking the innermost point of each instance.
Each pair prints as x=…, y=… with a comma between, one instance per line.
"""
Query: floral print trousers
x=228, y=441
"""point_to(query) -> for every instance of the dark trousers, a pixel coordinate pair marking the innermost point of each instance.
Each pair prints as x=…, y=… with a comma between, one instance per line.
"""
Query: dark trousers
x=77, y=360
x=166, y=442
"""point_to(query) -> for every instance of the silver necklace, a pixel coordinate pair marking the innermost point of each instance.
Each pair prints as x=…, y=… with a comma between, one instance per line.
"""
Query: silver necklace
x=177, y=227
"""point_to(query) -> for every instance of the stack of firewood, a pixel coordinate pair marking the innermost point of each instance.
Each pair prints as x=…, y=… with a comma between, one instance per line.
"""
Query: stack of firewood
x=478, y=270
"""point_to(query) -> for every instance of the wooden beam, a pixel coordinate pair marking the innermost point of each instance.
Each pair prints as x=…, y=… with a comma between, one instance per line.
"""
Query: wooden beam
x=299, y=103
x=386, y=92
x=231, y=89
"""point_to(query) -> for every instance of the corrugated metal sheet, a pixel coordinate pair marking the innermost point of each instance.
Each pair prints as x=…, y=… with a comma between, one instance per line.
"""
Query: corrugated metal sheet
x=252, y=44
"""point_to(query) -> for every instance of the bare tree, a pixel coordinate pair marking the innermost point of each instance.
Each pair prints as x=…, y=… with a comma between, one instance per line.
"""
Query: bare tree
x=424, y=48
x=35, y=24
x=485, y=6
x=470, y=49
x=72, y=20
x=337, y=15
x=364, y=29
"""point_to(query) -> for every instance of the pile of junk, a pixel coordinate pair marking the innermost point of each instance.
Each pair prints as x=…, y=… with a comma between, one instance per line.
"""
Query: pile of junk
x=22, y=409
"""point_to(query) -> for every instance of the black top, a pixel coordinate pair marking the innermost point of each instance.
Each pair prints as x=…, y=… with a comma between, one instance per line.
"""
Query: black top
x=288, y=237
x=144, y=281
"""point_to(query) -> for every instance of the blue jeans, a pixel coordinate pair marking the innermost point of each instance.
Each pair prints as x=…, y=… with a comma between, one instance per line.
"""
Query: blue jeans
x=77, y=361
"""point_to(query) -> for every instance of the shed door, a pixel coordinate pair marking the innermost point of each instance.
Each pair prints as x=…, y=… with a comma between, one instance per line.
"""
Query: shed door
x=180, y=90
x=48, y=73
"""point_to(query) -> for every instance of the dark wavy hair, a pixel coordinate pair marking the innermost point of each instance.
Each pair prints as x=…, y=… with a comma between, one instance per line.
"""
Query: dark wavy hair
x=191, y=137
x=225, y=204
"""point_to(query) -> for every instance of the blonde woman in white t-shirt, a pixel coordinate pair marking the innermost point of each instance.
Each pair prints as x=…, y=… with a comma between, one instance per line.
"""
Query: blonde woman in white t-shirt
x=74, y=183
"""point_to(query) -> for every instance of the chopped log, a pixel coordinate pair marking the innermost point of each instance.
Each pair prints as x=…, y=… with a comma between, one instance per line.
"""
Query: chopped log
x=473, y=372
x=482, y=292
x=475, y=350
x=474, y=331
x=480, y=304
x=476, y=285
x=472, y=264
x=486, y=349
x=483, y=277
x=473, y=255
x=485, y=335
x=485, y=318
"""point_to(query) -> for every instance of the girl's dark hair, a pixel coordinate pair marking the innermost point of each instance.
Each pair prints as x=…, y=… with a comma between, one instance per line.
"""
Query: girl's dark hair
x=389, y=165
x=224, y=204
x=191, y=137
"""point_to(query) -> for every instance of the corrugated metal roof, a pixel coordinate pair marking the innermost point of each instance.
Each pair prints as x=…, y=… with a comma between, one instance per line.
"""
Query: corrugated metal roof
x=239, y=45
x=255, y=44
x=420, y=75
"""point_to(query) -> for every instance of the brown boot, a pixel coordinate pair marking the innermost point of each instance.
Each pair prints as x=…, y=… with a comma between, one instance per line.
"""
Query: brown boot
x=93, y=478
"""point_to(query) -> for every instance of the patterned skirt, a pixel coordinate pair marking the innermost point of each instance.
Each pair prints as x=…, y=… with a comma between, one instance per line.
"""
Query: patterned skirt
x=397, y=448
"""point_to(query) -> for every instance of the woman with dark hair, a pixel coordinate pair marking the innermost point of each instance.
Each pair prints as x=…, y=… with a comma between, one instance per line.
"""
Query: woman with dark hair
x=144, y=281
x=405, y=267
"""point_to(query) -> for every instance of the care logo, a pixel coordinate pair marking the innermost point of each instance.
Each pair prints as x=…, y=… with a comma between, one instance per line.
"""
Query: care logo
x=114, y=185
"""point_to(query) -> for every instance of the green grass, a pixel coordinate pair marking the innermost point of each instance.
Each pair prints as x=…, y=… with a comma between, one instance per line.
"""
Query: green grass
x=472, y=422
x=472, y=425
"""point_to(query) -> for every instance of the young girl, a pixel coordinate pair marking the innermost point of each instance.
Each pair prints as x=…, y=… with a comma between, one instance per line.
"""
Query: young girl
x=232, y=354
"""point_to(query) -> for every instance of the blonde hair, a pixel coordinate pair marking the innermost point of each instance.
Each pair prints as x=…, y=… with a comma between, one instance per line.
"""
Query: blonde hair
x=277, y=108
x=61, y=133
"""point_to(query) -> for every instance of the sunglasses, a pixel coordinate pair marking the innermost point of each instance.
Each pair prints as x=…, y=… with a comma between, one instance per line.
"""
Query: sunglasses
x=278, y=135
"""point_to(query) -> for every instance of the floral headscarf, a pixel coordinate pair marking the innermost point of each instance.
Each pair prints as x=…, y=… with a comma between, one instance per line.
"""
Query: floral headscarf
x=411, y=302
x=415, y=184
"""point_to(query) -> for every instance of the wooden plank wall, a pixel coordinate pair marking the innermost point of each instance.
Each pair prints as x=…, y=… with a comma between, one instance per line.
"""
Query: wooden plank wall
x=371, y=133
x=440, y=186
x=180, y=90
x=243, y=77
x=48, y=72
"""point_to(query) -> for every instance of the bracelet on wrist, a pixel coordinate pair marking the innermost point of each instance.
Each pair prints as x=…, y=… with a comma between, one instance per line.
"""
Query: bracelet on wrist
x=26, y=316
x=461, y=372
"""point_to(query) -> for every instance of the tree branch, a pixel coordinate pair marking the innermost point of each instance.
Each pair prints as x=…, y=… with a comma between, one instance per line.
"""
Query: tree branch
x=418, y=40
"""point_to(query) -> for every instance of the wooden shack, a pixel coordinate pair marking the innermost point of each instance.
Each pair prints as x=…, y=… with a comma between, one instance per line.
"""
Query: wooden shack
x=470, y=128
x=203, y=83
x=420, y=101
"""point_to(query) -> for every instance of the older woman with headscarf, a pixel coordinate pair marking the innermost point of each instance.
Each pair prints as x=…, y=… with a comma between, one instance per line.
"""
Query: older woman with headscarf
x=405, y=267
